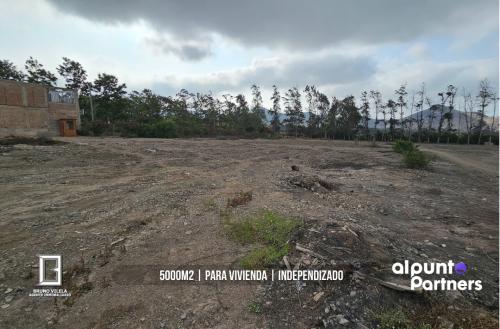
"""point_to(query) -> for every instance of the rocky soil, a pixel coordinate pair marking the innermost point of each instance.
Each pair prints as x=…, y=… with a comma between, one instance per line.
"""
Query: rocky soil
x=119, y=209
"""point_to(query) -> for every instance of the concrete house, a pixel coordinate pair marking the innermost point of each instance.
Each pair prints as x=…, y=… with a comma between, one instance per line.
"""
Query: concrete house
x=34, y=110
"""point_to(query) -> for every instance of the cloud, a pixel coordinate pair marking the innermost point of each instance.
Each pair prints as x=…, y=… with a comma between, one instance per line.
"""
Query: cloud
x=419, y=51
x=296, y=24
x=297, y=70
x=189, y=51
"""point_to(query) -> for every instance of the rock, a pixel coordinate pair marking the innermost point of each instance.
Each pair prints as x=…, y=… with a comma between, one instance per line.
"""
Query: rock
x=353, y=293
x=5, y=306
x=295, y=168
x=443, y=245
x=9, y=298
x=189, y=232
x=342, y=320
x=183, y=316
x=317, y=296
x=8, y=290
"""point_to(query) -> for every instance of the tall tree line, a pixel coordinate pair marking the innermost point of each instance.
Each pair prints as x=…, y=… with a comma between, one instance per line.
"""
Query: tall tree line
x=108, y=108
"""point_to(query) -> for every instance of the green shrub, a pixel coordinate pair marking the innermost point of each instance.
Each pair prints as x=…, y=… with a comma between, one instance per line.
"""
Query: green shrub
x=403, y=146
x=255, y=306
x=392, y=319
x=270, y=231
x=160, y=129
x=263, y=257
x=415, y=159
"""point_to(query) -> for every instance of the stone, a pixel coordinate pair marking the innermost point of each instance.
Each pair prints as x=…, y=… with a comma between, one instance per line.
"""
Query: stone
x=342, y=320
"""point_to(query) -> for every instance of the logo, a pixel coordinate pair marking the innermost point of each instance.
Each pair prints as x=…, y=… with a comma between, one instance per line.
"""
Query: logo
x=418, y=270
x=50, y=270
x=49, y=275
x=460, y=268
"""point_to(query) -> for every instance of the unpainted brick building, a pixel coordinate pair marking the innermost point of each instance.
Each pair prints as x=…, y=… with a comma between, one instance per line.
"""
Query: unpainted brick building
x=34, y=110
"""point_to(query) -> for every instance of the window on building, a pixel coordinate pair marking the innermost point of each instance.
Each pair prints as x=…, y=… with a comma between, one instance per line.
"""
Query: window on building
x=62, y=96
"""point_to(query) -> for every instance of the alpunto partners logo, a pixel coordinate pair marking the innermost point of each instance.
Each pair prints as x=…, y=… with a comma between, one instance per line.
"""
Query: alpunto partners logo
x=417, y=270
x=49, y=275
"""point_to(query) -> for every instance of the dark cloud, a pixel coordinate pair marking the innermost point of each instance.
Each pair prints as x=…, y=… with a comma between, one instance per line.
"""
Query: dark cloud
x=294, y=23
x=190, y=51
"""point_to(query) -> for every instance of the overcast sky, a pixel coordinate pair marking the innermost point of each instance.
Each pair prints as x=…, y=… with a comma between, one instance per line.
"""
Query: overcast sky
x=342, y=47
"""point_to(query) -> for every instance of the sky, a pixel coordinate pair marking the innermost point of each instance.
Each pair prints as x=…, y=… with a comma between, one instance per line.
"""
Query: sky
x=225, y=46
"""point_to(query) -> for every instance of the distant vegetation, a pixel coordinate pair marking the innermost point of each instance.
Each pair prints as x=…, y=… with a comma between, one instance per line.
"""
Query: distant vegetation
x=108, y=109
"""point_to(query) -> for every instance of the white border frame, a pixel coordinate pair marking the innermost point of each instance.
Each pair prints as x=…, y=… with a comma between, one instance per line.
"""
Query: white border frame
x=41, y=270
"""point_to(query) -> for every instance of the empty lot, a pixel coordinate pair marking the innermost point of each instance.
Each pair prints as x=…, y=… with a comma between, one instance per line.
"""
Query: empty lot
x=109, y=204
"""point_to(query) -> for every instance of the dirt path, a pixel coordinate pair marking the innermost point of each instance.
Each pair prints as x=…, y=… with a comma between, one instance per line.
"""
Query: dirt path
x=473, y=157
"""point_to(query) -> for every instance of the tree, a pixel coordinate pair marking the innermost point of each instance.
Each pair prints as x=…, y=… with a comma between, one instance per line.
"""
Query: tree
x=73, y=72
x=37, y=74
x=469, y=110
x=332, y=116
x=445, y=96
x=377, y=100
x=210, y=111
x=9, y=71
x=349, y=116
x=410, y=118
x=391, y=106
x=293, y=105
x=257, y=102
x=384, y=116
x=365, y=111
x=323, y=106
x=110, y=99
x=275, y=110
x=311, y=99
x=452, y=91
x=146, y=106
x=494, y=98
x=420, y=112
x=228, y=113
x=401, y=102
x=183, y=97
x=430, y=117
x=485, y=95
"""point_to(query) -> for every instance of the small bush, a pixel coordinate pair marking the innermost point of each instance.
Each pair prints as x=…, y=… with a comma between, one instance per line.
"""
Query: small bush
x=392, y=319
x=412, y=156
x=415, y=159
x=270, y=230
x=263, y=257
x=255, y=306
x=402, y=146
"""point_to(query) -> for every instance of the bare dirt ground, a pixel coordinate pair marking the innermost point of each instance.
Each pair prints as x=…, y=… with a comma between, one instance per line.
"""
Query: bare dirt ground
x=110, y=204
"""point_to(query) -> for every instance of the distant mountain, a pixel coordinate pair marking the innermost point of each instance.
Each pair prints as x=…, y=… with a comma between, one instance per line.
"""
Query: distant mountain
x=282, y=116
x=458, y=120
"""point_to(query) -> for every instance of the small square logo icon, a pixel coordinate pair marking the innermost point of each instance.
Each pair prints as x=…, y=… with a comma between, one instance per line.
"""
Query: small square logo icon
x=50, y=270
